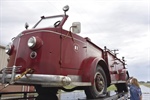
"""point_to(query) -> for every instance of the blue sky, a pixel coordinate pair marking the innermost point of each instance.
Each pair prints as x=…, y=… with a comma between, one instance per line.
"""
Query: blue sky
x=117, y=24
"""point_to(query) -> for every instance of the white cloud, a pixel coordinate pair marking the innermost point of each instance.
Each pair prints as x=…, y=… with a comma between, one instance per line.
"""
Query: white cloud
x=117, y=24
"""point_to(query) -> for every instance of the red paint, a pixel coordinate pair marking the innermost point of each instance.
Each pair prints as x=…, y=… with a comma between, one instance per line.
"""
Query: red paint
x=63, y=54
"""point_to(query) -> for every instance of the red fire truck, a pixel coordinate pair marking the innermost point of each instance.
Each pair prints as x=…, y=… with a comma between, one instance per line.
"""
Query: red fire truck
x=51, y=58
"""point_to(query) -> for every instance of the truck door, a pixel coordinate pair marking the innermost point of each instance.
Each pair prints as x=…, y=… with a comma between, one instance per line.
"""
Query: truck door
x=73, y=51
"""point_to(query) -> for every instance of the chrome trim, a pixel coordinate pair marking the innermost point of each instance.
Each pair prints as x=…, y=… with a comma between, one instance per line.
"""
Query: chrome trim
x=9, y=70
x=44, y=80
x=54, y=33
x=80, y=84
x=18, y=43
x=8, y=48
x=33, y=53
x=32, y=40
x=13, y=74
x=9, y=74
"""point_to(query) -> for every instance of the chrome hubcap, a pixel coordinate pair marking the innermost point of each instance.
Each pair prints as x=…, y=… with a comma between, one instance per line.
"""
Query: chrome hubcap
x=99, y=82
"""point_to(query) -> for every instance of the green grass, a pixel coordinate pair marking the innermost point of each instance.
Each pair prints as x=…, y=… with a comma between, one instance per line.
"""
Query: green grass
x=145, y=84
x=111, y=88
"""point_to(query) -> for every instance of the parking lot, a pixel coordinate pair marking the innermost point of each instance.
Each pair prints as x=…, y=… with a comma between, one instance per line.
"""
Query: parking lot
x=78, y=95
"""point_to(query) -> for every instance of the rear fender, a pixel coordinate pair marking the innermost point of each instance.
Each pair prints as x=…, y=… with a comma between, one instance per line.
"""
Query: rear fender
x=89, y=67
x=123, y=74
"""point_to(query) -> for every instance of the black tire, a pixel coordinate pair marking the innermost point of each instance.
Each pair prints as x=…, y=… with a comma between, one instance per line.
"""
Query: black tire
x=46, y=92
x=99, y=87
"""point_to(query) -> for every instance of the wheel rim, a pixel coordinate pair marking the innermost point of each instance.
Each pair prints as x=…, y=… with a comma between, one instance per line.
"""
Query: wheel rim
x=99, y=82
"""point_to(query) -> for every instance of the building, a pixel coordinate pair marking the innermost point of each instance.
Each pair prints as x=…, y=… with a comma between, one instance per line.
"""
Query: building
x=3, y=57
x=3, y=63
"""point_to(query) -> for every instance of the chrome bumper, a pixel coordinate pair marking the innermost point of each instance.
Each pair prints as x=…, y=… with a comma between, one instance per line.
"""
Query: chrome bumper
x=33, y=79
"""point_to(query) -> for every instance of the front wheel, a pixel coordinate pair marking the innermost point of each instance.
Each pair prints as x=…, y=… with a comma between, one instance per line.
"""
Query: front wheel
x=99, y=87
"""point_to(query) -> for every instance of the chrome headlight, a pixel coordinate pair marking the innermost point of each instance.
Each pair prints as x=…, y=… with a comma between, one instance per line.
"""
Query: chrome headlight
x=35, y=42
x=31, y=42
x=8, y=48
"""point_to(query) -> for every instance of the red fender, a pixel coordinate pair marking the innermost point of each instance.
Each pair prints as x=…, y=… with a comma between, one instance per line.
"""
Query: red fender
x=88, y=69
x=123, y=74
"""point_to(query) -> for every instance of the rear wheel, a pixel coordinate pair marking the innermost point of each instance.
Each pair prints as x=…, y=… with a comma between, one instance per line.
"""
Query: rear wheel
x=99, y=87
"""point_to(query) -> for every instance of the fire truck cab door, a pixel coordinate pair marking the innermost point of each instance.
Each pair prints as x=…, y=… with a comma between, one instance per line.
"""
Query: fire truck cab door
x=73, y=51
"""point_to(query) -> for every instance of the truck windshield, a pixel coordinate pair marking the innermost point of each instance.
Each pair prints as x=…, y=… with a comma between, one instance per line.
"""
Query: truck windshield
x=48, y=22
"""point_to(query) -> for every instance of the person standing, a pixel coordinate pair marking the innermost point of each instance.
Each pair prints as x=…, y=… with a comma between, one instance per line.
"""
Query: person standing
x=135, y=90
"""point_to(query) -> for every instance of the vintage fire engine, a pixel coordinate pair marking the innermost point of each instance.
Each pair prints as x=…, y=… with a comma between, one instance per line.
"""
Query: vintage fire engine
x=51, y=58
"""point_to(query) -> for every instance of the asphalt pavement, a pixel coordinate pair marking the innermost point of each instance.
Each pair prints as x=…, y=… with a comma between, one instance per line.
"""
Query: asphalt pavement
x=80, y=95
x=145, y=92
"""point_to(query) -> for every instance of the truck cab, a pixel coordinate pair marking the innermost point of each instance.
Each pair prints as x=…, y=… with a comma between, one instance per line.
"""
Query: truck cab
x=51, y=58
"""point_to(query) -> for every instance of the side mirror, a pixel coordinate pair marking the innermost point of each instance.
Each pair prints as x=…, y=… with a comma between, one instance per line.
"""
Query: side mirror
x=76, y=27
